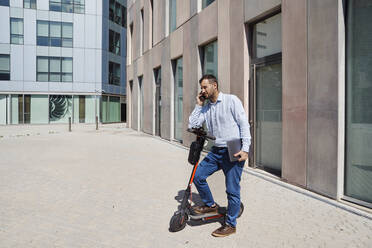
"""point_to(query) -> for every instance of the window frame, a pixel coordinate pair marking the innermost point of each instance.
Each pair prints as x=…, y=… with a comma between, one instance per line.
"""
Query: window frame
x=61, y=72
x=252, y=41
x=16, y=35
x=113, y=78
x=118, y=13
x=72, y=6
x=33, y=4
x=112, y=42
x=49, y=39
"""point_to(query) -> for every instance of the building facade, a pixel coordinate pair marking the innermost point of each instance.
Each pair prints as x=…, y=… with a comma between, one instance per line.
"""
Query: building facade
x=302, y=69
x=61, y=60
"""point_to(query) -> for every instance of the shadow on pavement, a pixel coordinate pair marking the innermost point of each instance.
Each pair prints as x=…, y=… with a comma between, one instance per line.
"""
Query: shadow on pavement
x=195, y=198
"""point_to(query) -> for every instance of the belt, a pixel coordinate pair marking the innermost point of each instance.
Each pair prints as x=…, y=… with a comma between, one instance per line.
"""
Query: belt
x=218, y=148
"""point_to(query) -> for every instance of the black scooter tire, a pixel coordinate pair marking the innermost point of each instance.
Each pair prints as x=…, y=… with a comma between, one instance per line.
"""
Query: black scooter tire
x=241, y=209
x=178, y=222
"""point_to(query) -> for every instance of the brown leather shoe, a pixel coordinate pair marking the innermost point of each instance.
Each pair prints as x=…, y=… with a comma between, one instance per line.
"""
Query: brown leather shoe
x=224, y=231
x=205, y=209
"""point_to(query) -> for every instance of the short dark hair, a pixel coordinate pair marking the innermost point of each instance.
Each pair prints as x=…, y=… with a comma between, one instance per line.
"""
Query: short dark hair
x=210, y=78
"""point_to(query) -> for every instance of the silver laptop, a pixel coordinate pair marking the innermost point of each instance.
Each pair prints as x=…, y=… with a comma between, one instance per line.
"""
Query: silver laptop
x=234, y=146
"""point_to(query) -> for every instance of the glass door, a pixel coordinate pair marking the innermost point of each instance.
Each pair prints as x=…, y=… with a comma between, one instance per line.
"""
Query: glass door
x=267, y=121
x=358, y=166
x=266, y=93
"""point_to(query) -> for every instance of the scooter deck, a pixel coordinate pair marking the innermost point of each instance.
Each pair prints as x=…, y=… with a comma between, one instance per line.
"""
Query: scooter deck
x=221, y=212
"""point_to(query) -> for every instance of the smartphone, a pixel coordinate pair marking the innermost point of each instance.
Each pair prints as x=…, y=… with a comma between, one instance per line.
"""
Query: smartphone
x=202, y=97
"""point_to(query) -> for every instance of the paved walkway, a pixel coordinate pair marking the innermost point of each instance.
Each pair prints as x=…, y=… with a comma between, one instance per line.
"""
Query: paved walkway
x=118, y=188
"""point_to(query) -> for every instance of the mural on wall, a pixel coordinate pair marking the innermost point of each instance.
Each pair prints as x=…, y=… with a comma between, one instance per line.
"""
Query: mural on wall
x=60, y=107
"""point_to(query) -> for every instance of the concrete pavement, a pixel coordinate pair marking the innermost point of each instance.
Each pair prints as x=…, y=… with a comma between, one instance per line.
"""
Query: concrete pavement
x=119, y=188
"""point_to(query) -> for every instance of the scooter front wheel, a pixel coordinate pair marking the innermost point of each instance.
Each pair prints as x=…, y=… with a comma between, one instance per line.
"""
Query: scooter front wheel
x=178, y=222
x=241, y=209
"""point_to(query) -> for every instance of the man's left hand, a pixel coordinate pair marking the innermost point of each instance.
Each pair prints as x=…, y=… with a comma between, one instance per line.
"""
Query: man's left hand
x=243, y=155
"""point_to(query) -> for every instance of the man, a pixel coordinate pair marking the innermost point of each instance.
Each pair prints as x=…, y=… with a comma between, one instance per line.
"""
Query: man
x=225, y=118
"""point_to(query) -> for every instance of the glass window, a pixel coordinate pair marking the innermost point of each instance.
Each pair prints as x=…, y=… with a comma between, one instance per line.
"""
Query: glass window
x=172, y=15
x=114, y=42
x=114, y=109
x=55, y=5
x=3, y=109
x=142, y=102
x=16, y=109
x=4, y=67
x=58, y=34
x=178, y=99
x=42, y=69
x=90, y=110
x=4, y=2
x=55, y=32
x=114, y=73
x=66, y=69
x=68, y=6
x=27, y=109
x=112, y=10
x=79, y=6
x=29, y=4
x=157, y=76
x=110, y=109
x=60, y=108
x=267, y=36
x=267, y=83
x=358, y=168
x=124, y=16
x=205, y=3
x=118, y=13
x=39, y=109
x=67, y=32
x=104, y=112
x=54, y=69
x=42, y=33
x=210, y=60
x=16, y=30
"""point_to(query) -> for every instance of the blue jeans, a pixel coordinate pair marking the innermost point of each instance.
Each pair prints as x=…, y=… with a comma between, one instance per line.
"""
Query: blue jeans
x=218, y=159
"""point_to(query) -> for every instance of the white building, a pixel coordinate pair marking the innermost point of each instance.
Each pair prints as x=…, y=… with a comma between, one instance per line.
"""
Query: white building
x=61, y=59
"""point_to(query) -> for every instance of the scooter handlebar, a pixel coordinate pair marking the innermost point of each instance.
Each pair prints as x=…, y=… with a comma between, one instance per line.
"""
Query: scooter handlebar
x=201, y=132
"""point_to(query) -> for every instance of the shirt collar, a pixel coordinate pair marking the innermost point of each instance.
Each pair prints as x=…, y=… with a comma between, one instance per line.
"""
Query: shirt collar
x=219, y=99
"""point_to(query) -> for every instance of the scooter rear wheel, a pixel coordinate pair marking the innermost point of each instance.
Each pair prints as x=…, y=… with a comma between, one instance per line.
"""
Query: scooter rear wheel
x=178, y=222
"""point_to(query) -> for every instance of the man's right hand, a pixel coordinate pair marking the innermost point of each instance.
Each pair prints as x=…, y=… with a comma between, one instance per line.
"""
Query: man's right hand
x=198, y=101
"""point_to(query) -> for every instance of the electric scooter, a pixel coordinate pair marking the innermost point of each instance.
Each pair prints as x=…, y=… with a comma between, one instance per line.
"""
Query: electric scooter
x=180, y=217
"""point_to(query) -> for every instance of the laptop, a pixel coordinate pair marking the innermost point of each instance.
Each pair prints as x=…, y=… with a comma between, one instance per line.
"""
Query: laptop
x=234, y=146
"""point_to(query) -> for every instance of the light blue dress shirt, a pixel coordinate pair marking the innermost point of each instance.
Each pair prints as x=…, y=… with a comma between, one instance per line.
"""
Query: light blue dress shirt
x=225, y=119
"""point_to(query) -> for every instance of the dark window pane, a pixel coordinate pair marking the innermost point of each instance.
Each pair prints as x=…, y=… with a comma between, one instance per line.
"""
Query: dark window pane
x=4, y=67
x=42, y=41
x=57, y=42
x=4, y=76
x=4, y=2
x=112, y=10
x=124, y=17
x=55, y=6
